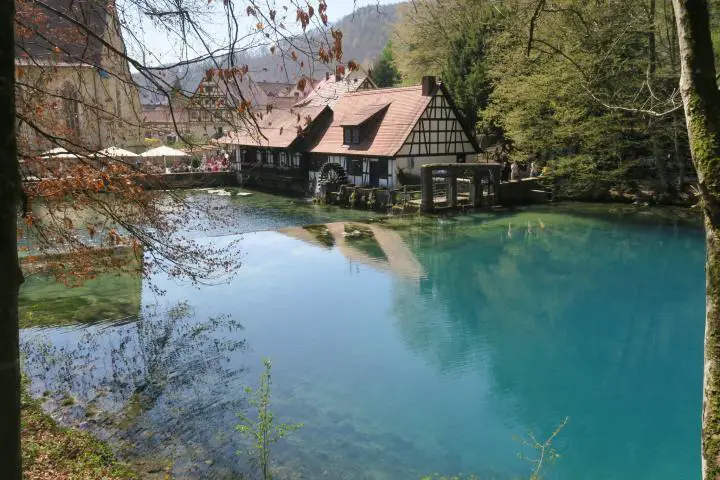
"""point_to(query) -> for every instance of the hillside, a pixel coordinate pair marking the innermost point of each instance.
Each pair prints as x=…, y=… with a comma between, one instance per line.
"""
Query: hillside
x=365, y=33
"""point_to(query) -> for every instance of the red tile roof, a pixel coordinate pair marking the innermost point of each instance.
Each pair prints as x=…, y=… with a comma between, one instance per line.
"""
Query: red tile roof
x=279, y=128
x=404, y=107
x=330, y=90
x=362, y=115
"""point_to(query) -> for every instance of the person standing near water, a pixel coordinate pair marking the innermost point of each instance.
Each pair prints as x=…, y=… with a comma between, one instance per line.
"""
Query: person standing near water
x=514, y=172
x=533, y=169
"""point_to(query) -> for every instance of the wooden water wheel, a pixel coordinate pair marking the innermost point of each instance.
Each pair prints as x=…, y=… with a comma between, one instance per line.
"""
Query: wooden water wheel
x=332, y=175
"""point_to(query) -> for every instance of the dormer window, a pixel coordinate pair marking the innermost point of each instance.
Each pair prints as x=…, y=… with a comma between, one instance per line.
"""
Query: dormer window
x=359, y=125
x=351, y=135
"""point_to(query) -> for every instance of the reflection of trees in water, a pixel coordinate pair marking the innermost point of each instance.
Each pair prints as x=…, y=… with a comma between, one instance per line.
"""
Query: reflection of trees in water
x=578, y=319
x=154, y=377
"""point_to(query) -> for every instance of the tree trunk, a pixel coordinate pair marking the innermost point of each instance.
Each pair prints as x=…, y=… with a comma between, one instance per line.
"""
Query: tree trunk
x=10, y=457
x=701, y=100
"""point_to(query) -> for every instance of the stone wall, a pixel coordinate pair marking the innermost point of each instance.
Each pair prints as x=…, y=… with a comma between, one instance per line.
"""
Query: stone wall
x=169, y=181
x=527, y=190
x=275, y=182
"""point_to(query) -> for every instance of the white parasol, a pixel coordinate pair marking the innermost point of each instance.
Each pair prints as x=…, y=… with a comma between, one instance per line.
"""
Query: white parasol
x=59, y=152
x=164, y=152
x=115, y=152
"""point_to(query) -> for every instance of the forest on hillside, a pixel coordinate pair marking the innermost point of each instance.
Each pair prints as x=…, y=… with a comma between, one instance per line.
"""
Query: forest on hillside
x=588, y=89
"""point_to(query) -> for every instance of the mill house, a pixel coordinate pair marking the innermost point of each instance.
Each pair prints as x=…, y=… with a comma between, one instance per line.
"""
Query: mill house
x=363, y=136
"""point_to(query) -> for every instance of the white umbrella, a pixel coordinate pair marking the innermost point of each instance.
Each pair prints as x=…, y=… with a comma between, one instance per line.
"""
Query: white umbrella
x=164, y=152
x=58, y=152
x=115, y=152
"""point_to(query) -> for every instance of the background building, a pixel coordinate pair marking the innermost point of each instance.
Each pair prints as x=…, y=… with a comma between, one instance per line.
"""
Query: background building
x=74, y=83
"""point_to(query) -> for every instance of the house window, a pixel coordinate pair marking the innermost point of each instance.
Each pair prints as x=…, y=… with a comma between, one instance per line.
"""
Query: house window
x=296, y=160
x=270, y=157
x=283, y=159
x=259, y=156
x=381, y=167
x=351, y=135
x=355, y=166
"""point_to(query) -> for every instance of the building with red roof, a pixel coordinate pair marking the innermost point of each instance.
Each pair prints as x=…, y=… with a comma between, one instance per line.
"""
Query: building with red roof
x=370, y=136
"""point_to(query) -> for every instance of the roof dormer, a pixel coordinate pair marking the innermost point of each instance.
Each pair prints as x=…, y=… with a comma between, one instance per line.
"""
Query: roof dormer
x=355, y=125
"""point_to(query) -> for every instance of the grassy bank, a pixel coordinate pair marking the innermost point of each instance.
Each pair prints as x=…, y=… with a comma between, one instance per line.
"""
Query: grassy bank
x=53, y=452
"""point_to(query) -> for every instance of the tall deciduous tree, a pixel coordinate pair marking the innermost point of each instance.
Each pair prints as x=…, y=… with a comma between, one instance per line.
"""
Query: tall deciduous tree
x=701, y=99
x=428, y=36
x=10, y=463
x=594, y=93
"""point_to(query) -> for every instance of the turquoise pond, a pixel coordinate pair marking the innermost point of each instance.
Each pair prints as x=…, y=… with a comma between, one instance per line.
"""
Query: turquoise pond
x=434, y=350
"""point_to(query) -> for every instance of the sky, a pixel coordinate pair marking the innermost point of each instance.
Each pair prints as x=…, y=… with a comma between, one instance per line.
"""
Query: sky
x=159, y=47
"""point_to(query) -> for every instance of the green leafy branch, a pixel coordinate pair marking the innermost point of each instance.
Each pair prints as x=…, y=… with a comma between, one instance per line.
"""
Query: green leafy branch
x=263, y=431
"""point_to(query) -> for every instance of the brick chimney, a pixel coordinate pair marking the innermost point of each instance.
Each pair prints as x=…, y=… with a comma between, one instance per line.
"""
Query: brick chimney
x=428, y=86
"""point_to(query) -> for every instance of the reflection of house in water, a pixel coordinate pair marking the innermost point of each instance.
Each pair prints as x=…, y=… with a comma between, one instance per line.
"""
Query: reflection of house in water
x=385, y=249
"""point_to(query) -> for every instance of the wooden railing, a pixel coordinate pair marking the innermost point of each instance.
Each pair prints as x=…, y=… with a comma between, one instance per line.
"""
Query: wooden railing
x=405, y=194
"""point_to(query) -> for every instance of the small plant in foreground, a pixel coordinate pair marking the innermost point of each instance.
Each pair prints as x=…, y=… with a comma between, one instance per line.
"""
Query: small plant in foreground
x=545, y=450
x=546, y=454
x=263, y=432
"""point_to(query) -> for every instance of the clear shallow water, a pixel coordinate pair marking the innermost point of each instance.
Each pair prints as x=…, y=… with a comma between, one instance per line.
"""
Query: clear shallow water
x=400, y=372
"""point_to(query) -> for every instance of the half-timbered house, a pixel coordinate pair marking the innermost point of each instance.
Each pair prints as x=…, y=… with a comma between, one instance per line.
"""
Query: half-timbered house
x=378, y=136
x=205, y=106
x=273, y=148
x=367, y=136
